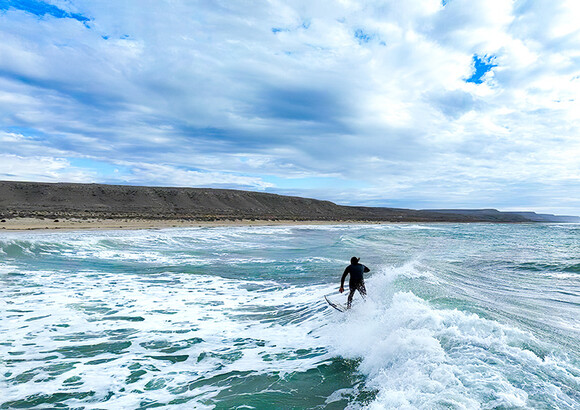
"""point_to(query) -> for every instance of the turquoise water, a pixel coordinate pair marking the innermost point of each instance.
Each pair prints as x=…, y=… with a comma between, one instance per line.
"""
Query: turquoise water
x=457, y=316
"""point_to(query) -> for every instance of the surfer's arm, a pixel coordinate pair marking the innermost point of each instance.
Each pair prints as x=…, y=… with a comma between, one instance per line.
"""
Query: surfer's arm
x=366, y=269
x=342, y=280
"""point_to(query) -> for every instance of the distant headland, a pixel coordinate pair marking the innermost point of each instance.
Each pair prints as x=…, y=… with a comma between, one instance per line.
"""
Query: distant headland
x=82, y=202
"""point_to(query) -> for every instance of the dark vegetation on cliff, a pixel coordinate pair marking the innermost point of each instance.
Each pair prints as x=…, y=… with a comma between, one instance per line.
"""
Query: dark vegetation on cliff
x=66, y=200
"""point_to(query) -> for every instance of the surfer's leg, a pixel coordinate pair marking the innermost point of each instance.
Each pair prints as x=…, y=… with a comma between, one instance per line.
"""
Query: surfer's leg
x=350, y=295
x=362, y=289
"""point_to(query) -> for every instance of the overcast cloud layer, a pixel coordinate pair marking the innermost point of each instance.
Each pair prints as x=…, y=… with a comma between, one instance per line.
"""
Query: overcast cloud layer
x=418, y=104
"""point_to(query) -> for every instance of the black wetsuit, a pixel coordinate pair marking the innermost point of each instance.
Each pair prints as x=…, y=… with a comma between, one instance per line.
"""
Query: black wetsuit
x=356, y=280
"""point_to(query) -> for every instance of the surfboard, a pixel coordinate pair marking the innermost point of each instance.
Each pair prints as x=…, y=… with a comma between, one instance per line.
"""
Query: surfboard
x=335, y=305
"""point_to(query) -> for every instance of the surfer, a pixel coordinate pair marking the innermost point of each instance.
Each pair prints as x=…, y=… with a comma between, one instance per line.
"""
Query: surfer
x=356, y=281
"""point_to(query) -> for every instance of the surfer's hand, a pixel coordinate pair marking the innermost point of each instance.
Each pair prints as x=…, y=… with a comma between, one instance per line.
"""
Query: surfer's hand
x=341, y=289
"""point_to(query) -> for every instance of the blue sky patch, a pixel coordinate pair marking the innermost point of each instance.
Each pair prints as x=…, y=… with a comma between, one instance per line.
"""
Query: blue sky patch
x=305, y=25
x=104, y=170
x=482, y=66
x=26, y=131
x=40, y=8
x=314, y=182
x=362, y=36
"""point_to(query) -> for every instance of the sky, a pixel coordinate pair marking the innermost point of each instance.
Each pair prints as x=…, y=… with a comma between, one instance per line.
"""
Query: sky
x=420, y=104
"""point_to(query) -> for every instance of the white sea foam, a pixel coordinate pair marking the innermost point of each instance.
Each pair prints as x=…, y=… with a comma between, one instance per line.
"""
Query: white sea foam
x=218, y=324
x=217, y=311
x=419, y=227
x=416, y=356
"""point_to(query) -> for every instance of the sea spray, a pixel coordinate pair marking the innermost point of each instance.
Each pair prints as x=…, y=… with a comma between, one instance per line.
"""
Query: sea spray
x=419, y=357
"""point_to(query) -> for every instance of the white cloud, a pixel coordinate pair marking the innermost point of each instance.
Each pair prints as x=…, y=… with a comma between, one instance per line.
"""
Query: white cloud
x=226, y=93
x=42, y=169
x=165, y=175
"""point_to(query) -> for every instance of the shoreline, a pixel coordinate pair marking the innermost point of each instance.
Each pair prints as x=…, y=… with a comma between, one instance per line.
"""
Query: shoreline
x=74, y=224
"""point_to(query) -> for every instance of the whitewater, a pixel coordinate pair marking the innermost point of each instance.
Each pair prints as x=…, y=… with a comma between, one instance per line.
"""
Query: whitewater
x=458, y=316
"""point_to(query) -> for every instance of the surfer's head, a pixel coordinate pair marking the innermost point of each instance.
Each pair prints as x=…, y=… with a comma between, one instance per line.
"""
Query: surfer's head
x=354, y=260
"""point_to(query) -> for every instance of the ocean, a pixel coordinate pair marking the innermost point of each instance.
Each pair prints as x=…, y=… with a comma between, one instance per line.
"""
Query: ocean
x=458, y=316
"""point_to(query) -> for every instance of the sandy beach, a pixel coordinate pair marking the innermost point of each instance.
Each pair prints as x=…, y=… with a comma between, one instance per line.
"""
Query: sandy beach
x=32, y=224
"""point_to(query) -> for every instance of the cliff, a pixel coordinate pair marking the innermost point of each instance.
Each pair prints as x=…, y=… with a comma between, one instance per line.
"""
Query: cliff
x=67, y=200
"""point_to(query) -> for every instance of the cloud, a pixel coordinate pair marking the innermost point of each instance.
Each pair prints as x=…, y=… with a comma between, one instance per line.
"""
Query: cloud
x=375, y=94
x=42, y=169
x=165, y=175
